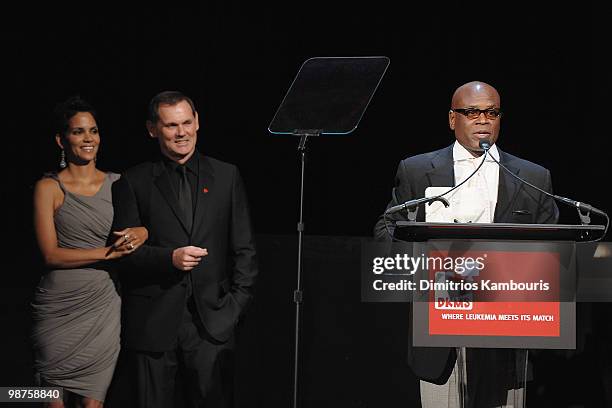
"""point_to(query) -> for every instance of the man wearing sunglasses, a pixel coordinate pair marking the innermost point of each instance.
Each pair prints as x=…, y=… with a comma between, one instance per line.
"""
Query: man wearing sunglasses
x=489, y=377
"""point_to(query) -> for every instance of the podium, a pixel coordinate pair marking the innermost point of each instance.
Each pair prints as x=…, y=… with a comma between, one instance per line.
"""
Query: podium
x=491, y=286
x=473, y=275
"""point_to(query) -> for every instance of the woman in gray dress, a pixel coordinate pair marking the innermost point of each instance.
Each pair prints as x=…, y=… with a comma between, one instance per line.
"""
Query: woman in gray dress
x=76, y=308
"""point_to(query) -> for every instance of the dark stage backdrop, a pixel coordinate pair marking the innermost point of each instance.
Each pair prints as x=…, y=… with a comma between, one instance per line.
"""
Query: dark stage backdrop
x=237, y=61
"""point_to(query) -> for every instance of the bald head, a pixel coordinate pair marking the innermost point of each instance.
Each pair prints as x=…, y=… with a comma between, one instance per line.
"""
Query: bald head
x=473, y=89
x=470, y=131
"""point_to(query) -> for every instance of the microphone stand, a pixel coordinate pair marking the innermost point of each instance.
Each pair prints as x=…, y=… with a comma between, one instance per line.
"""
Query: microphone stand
x=440, y=197
x=585, y=219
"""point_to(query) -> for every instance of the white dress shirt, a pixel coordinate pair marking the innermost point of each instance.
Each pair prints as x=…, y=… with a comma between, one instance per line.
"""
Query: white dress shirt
x=474, y=201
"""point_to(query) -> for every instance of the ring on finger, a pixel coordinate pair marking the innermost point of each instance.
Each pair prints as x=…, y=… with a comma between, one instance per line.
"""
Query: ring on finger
x=131, y=246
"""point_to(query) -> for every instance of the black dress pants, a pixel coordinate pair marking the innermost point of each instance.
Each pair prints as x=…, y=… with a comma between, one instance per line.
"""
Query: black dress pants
x=198, y=372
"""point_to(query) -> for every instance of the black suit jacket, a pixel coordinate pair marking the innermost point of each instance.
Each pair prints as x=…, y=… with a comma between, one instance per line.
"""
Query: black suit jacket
x=516, y=203
x=153, y=291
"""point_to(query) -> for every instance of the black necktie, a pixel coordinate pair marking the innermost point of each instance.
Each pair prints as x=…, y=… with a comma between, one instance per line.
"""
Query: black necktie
x=184, y=196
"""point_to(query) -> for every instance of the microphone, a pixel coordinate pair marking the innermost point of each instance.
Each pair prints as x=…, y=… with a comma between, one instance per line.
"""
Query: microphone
x=414, y=203
x=580, y=205
x=486, y=145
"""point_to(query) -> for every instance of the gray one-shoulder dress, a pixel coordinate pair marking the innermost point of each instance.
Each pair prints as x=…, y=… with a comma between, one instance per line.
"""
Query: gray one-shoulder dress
x=76, y=312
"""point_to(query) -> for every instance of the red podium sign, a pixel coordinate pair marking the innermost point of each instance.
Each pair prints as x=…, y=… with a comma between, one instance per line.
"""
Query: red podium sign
x=495, y=294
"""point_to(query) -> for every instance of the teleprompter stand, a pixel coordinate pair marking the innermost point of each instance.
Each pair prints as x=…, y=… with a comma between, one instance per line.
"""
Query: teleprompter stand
x=328, y=96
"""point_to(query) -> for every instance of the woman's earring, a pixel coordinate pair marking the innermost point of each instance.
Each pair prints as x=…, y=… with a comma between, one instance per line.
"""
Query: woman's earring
x=62, y=163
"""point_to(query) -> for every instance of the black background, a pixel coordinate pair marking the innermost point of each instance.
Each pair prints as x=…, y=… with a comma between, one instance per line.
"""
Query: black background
x=237, y=60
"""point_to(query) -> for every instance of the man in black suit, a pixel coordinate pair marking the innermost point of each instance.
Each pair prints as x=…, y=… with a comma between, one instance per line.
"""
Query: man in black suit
x=185, y=290
x=474, y=115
